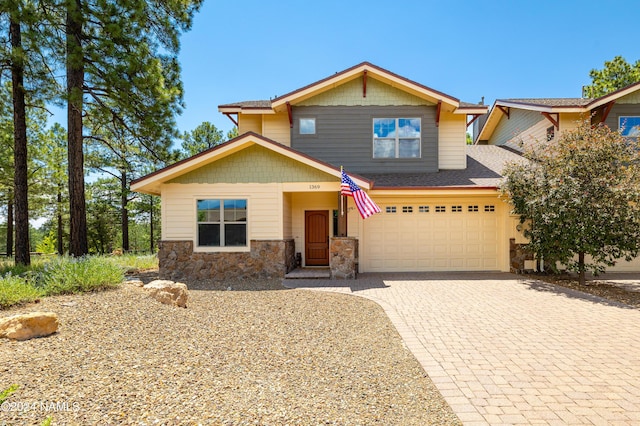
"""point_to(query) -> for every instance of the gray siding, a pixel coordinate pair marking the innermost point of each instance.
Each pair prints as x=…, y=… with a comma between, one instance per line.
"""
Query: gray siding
x=621, y=110
x=519, y=120
x=344, y=137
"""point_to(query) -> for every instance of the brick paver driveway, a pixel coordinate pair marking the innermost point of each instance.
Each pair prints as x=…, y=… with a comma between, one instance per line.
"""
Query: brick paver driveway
x=506, y=350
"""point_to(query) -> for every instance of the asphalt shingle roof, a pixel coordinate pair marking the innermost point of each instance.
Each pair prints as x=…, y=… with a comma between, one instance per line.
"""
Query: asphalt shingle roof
x=552, y=102
x=485, y=164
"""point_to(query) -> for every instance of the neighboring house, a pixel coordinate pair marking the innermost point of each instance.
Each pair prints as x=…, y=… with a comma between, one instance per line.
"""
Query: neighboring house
x=513, y=123
x=247, y=207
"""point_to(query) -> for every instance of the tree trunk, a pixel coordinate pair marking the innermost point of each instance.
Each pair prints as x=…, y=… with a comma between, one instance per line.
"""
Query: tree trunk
x=60, y=224
x=125, y=212
x=151, y=224
x=20, y=184
x=10, y=226
x=75, y=80
x=581, y=272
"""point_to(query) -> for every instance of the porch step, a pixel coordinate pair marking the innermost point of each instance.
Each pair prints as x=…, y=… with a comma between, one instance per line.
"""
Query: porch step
x=308, y=273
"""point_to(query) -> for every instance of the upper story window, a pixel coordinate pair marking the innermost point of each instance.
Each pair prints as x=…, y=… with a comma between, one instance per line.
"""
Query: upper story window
x=396, y=137
x=222, y=223
x=629, y=126
x=307, y=126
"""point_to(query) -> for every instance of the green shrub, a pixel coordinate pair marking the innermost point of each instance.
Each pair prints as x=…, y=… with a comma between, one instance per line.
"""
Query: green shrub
x=135, y=263
x=68, y=275
x=15, y=290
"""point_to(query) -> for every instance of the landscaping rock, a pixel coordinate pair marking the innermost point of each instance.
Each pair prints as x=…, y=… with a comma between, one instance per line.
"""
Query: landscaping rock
x=135, y=282
x=28, y=326
x=168, y=292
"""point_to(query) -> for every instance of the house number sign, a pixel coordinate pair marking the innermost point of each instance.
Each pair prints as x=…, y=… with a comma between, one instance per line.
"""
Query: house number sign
x=314, y=186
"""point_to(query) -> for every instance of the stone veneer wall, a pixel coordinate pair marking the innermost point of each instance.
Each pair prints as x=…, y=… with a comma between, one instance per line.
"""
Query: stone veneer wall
x=517, y=256
x=266, y=259
x=343, y=258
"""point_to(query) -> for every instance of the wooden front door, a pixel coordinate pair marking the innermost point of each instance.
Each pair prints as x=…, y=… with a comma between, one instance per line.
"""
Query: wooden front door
x=316, y=233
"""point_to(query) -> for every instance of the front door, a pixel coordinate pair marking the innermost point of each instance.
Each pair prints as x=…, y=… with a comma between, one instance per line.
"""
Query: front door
x=316, y=246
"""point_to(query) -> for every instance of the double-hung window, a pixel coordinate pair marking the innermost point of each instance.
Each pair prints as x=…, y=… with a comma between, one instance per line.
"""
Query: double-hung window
x=396, y=137
x=222, y=223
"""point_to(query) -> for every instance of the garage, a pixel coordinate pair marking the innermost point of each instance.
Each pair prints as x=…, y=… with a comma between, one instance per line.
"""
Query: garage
x=432, y=235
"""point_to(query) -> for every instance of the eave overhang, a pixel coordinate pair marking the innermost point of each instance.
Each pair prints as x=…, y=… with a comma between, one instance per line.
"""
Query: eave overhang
x=151, y=183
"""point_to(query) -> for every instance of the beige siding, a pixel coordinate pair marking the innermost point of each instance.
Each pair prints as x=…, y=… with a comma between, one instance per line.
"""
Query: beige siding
x=287, y=215
x=570, y=121
x=277, y=127
x=351, y=94
x=452, y=142
x=249, y=123
x=632, y=98
x=264, y=204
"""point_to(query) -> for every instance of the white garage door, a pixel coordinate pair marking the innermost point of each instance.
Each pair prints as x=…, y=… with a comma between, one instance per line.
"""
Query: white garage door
x=431, y=237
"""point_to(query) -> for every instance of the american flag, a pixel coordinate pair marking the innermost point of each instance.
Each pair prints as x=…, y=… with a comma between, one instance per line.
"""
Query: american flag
x=364, y=204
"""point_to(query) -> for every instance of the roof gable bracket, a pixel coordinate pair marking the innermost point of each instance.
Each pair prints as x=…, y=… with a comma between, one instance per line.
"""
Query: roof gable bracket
x=606, y=111
x=235, y=121
x=506, y=111
x=438, y=113
x=290, y=115
x=364, y=83
x=474, y=117
x=555, y=121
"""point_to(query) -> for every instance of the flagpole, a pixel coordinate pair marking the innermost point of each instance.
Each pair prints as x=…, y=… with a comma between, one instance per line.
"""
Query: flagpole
x=341, y=197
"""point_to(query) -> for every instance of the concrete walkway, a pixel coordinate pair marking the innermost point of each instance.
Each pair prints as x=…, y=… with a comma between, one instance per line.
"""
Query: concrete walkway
x=506, y=350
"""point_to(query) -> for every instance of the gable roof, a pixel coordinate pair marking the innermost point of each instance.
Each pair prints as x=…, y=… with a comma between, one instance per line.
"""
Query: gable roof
x=150, y=184
x=550, y=105
x=363, y=69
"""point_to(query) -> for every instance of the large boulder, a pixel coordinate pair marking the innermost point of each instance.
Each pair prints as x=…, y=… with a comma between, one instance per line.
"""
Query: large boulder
x=168, y=292
x=28, y=326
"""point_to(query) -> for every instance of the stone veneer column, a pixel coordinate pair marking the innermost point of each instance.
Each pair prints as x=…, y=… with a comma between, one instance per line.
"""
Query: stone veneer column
x=343, y=258
x=518, y=254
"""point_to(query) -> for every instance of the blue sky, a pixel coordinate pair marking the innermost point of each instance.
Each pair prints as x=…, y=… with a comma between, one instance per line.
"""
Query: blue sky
x=257, y=49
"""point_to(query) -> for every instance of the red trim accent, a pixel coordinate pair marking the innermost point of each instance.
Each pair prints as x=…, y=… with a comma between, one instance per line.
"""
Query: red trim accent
x=228, y=114
x=475, y=117
x=448, y=188
x=372, y=67
x=556, y=121
x=290, y=115
x=364, y=84
x=506, y=111
x=257, y=136
x=606, y=111
x=438, y=113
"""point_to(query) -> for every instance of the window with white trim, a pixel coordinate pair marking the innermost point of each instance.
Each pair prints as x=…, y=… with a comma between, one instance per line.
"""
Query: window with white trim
x=396, y=137
x=307, y=126
x=222, y=223
x=629, y=126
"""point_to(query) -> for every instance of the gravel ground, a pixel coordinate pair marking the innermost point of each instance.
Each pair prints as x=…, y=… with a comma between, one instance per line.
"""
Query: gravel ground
x=270, y=357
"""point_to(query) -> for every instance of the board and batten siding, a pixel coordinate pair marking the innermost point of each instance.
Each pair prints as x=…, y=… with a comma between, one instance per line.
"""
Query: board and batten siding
x=452, y=142
x=249, y=123
x=277, y=128
x=344, y=137
x=264, y=203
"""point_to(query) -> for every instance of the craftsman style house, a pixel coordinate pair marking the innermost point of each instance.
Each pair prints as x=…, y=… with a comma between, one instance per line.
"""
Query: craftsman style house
x=268, y=199
x=512, y=123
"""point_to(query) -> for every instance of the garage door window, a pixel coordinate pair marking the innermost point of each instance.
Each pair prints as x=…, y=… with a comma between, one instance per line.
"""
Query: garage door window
x=472, y=209
x=441, y=209
x=423, y=209
x=390, y=209
x=489, y=208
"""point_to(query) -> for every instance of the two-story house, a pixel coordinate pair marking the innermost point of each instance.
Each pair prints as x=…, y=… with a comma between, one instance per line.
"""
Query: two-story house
x=514, y=123
x=249, y=206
